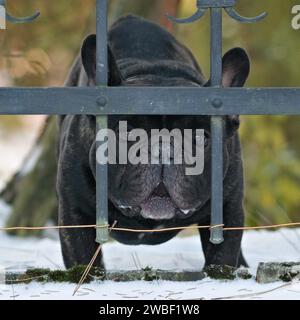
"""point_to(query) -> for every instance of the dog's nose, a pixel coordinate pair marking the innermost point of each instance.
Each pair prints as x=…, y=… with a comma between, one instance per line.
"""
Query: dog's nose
x=160, y=191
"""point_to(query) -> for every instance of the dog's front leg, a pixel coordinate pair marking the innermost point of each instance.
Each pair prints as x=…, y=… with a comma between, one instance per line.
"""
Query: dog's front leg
x=229, y=252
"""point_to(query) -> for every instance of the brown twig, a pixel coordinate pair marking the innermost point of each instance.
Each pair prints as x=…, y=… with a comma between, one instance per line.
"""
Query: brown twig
x=87, y=270
x=90, y=265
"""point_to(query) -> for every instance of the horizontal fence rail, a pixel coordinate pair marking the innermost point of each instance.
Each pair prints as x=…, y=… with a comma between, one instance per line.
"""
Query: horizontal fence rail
x=150, y=101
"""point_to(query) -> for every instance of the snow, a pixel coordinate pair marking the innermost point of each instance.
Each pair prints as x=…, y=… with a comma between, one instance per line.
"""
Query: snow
x=160, y=290
x=181, y=253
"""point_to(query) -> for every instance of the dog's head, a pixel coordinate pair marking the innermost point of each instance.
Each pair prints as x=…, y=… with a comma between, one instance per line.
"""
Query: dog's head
x=163, y=191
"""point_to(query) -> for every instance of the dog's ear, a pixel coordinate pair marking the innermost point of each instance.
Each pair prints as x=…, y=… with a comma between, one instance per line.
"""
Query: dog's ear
x=236, y=68
x=88, y=56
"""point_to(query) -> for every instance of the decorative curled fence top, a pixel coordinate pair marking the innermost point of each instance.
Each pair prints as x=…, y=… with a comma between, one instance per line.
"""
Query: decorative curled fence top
x=4, y=15
x=227, y=5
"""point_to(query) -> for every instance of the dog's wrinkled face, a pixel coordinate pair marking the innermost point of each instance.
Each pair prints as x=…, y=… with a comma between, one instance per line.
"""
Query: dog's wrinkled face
x=165, y=191
x=159, y=191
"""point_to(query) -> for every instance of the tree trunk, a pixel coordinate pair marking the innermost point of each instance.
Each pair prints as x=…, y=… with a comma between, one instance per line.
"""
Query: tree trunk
x=31, y=191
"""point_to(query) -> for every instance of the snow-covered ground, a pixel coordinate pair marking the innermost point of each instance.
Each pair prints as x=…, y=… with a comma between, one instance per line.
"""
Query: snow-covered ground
x=182, y=253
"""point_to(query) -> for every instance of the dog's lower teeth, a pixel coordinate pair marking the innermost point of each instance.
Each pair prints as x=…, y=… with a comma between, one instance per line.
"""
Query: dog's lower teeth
x=125, y=207
x=186, y=212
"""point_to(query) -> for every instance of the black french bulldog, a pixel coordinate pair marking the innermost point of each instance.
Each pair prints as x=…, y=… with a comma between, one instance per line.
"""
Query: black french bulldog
x=147, y=196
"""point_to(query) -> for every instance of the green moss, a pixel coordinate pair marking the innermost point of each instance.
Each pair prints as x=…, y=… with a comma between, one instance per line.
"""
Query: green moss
x=37, y=272
x=286, y=277
x=149, y=274
x=72, y=275
x=220, y=272
x=289, y=276
x=39, y=275
x=226, y=273
x=58, y=276
x=244, y=274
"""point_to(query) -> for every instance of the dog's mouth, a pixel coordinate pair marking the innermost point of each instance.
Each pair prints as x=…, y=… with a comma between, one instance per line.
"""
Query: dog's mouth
x=158, y=206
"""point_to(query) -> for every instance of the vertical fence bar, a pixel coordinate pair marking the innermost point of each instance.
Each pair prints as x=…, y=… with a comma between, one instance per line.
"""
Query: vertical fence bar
x=216, y=130
x=101, y=121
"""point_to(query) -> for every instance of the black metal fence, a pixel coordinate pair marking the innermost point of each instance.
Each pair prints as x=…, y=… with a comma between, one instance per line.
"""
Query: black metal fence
x=103, y=101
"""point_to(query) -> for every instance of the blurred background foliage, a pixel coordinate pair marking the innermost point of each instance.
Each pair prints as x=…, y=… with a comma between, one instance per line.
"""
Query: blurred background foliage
x=39, y=54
